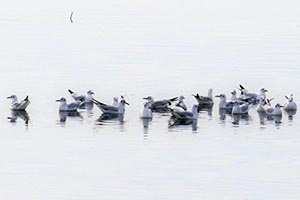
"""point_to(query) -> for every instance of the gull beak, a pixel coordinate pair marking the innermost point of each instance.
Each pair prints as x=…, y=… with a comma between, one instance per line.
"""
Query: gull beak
x=281, y=106
x=92, y=92
x=217, y=96
x=58, y=100
x=146, y=98
x=266, y=90
x=9, y=97
x=127, y=103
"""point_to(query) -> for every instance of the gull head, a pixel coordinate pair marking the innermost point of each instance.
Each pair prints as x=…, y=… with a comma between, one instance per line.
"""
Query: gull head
x=13, y=98
x=123, y=102
x=181, y=98
x=263, y=90
x=149, y=99
x=90, y=92
x=221, y=96
x=290, y=99
x=61, y=100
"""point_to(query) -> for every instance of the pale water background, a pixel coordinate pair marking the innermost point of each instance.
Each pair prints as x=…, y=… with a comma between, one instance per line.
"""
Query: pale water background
x=140, y=48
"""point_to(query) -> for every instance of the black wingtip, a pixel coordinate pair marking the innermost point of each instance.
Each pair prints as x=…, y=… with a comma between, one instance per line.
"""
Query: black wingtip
x=170, y=109
x=71, y=92
x=242, y=87
x=174, y=99
x=196, y=96
x=97, y=102
x=26, y=98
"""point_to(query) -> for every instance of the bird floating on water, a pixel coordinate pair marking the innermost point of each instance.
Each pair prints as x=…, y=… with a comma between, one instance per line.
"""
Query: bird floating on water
x=68, y=107
x=88, y=98
x=290, y=105
x=180, y=104
x=185, y=115
x=205, y=100
x=111, y=109
x=161, y=105
x=238, y=109
x=15, y=105
x=146, y=112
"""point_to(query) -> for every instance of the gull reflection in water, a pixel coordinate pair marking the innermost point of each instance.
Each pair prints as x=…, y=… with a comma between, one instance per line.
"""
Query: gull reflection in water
x=19, y=114
x=63, y=115
x=263, y=118
x=106, y=118
x=223, y=113
x=183, y=122
x=237, y=118
x=290, y=114
x=111, y=116
x=146, y=122
x=207, y=109
x=86, y=106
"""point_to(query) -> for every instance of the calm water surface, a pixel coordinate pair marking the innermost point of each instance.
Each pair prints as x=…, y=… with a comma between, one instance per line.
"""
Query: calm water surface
x=137, y=49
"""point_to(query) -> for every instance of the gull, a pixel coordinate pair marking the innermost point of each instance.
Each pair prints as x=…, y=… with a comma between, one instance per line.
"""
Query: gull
x=240, y=109
x=233, y=96
x=15, y=105
x=223, y=103
x=264, y=104
x=159, y=106
x=68, y=107
x=111, y=109
x=205, y=101
x=115, y=102
x=256, y=97
x=185, y=115
x=146, y=112
x=88, y=98
x=180, y=103
x=290, y=105
x=274, y=111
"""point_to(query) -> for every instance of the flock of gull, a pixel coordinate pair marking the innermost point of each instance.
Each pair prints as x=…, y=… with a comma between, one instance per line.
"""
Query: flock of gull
x=179, y=114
